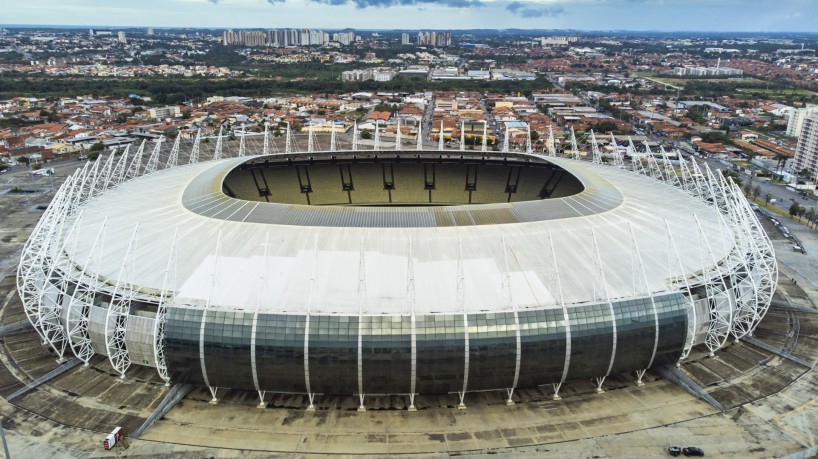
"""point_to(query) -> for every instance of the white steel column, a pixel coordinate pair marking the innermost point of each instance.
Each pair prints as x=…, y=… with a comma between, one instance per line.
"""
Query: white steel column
x=461, y=298
x=217, y=151
x=116, y=320
x=377, y=143
x=213, y=280
x=153, y=160
x=398, y=136
x=692, y=325
x=167, y=295
x=440, y=137
x=49, y=308
x=550, y=144
x=643, y=273
x=313, y=283
x=419, y=143
x=529, y=148
x=596, y=156
x=288, y=145
x=265, y=149
x=242, y=142
x=574, y=145
x=410, y=298
x=197, y=145
x=173, y=159
x=607, y=298
x=136, y=162
x=355, y=136
x=721, y=314
x=262, y=282
x=556, y=282
x=361, y=310
x=88, y=285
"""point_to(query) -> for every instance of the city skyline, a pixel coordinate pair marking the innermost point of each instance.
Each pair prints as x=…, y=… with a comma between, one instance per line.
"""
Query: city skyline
x=635, y=15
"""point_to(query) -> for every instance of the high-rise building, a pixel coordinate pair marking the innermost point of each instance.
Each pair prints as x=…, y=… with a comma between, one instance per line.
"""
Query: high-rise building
x=344, y=38
x=441, y=39
x=121, y=37
x=404, y=39
x=250, y=38
x=797, y=118
x=149, y=31
x=806, y=154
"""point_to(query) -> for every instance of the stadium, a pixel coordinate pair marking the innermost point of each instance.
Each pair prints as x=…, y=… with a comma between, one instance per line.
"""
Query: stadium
x=374, y=271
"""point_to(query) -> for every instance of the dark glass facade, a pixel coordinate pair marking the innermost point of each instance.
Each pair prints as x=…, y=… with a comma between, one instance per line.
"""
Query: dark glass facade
x=347, y=354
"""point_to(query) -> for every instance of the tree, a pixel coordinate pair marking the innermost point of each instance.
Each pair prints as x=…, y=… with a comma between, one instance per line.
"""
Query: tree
x=756, y=191
x=804, y=172
x=97, y=147
x=794, y=208
x=810, y=214
x=801, y=211
x=366, y=135
x=767, y=199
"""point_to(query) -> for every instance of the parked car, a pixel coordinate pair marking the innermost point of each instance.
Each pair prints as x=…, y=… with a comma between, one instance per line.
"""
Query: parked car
x=674, y=451
x=692, y=451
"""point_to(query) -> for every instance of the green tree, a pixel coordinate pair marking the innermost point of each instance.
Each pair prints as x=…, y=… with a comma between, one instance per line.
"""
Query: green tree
x=366, y=135
x=810, y=215
x=99, y=146
x=794, y=208
x=767, y=199
x=801, y=211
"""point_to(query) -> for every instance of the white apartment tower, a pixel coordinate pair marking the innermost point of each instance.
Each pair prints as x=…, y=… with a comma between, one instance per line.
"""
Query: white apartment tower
x=797, y=118
x=806, y=154
x=404, y=39
x=121, y=38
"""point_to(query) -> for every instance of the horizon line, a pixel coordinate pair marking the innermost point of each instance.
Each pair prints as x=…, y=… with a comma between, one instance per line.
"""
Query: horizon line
x=91, y=26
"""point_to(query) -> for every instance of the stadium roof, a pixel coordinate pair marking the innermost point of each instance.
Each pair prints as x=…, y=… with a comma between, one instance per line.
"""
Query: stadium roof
x=582, y=253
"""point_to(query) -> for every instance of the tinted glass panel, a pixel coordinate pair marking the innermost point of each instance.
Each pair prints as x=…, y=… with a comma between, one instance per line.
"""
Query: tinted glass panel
x=227, y=349
x=591, y=341
x=492, y=351
x=387, y=354
x=441, y=353
x=182, y=332
x=334, y=354
x=280, y=352
x=542, y=336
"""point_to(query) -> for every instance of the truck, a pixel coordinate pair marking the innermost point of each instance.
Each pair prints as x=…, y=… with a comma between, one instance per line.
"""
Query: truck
x=113, y=438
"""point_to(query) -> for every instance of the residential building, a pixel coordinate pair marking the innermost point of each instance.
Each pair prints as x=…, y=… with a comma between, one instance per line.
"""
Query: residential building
x=163, y=112
x=797, y=118
x=404, y=39
x=806, y=154
x=121, y=37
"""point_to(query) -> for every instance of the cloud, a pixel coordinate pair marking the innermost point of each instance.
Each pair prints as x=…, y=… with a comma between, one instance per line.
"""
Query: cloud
x=530, y=10
x=390, y=3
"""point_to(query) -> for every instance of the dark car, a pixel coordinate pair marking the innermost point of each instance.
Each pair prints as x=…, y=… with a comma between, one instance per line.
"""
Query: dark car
x=692, y=451
x=674, y=451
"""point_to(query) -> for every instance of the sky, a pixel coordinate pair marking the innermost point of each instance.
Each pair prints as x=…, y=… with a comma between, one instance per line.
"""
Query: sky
x=654, y=15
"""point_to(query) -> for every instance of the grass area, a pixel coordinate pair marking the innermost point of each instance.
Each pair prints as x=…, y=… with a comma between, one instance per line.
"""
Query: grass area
x=779, y=93
x=684, y=81
x=770, y=207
